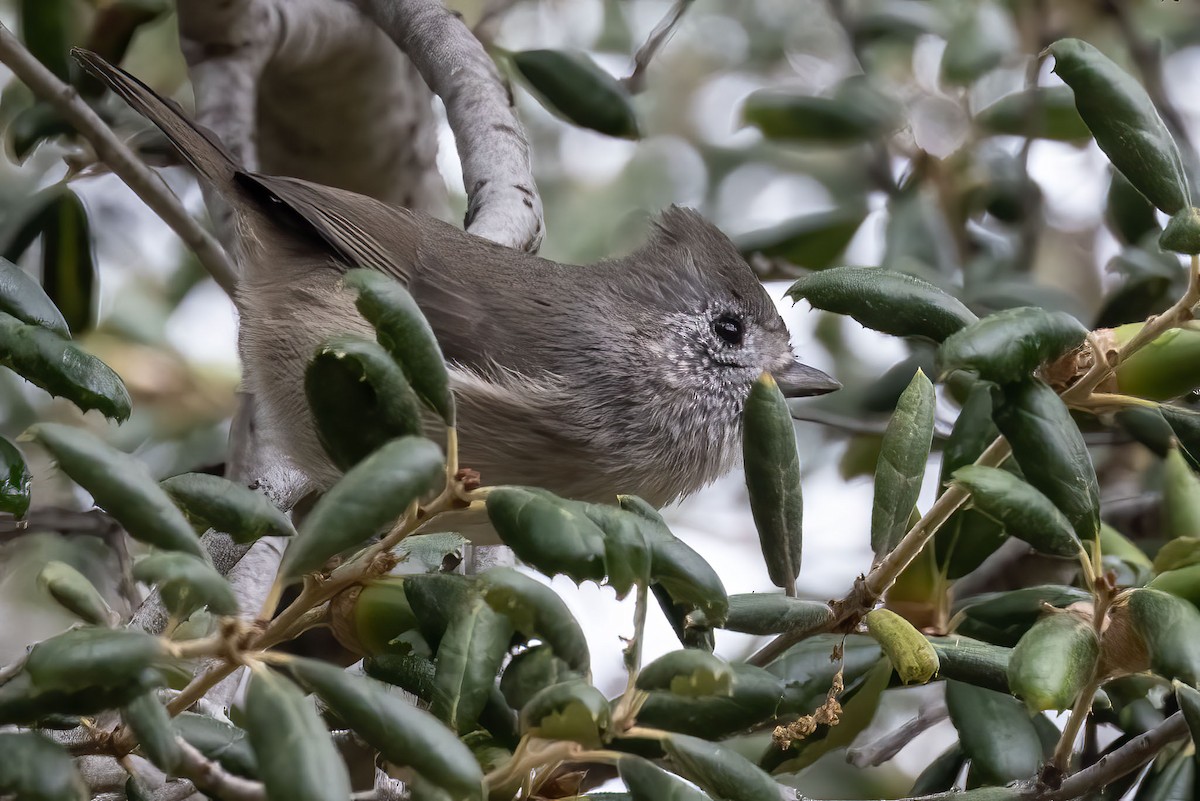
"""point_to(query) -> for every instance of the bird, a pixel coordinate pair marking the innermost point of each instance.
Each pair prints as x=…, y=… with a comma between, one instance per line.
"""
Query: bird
x=625, y=376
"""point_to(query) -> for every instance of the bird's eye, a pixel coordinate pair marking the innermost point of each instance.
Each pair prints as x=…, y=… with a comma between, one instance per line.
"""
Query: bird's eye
x=729, y=329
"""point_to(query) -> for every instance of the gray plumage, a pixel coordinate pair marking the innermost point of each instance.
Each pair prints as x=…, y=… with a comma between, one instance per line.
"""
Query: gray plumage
x=624, y=376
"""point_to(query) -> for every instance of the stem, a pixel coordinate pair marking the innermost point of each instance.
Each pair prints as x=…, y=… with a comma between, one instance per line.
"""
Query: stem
x=632, y=699
x=1079, y=713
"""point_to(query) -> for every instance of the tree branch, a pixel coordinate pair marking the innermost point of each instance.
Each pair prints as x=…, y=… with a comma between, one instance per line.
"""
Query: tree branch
x=137, y=176
x=502, y=200
x=658, y=37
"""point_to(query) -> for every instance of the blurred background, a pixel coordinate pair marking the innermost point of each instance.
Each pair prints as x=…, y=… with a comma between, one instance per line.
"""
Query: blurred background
x=958, y=158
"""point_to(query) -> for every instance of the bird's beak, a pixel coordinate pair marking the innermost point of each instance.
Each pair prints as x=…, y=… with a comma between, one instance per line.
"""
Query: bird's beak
x=801, y=381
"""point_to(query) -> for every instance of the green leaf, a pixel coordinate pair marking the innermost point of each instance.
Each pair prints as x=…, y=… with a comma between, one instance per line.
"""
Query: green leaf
x=48, y=29
x=807, y=670
x=1170, y=628
x=68, y=265
x=570, y=84
x=915, y=660
x=430, y=550
x=1181, y=497
x=468, y=659
x=569, y=711
x=1182, y=582
x=87, y=658
x=14, y=480
x=862, y=114
x=1128, y=213
x=372, y=494
x=968, y=537
x=689, y=673
x=45, y=359
x=1125, y=123
x=35, y=768
x=648, y=782
x=437, y=599
x=186, y=583
x=1044, y=112
x=627, y=557
x=1188, y=699
x=535, y=610
x=530, y=671
x=403, y=330
x=551, y=535
x=980, y=39
x=296, y=758
x=996, y=733
x=1175, y=554
x=1054, y=661
x=403, y=734
x=1182, y=234
x=1009, y=345
x=917, y=235
x=901, y=466
x=23, y=298
x=812, y=241
x=31, y=127
x=221, y=742
x=1164, y=369
x=121, y=485
x=719, y=771
x=213, y=502
x=941, y=774
x=382, y=614
x=1024, y=512
x=74, y=592
x=359, y=398
x=150, y=723
x=1048, y=446
x=768, y=613
x=892, y=302
x=772, y=464
x=978, y=663
x=1003, y=617
x=754, y=696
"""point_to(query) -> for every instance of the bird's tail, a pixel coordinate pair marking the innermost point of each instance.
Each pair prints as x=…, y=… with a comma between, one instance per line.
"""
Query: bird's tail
x=199, y=147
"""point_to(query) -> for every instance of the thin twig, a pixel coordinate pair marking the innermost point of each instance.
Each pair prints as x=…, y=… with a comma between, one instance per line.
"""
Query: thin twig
x=137, y=176
x=211, y=779
x=1129, y=757
x=886, y=747
x=663, y=31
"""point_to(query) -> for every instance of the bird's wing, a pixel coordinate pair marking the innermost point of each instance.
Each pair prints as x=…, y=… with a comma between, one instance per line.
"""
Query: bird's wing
x=361, y=231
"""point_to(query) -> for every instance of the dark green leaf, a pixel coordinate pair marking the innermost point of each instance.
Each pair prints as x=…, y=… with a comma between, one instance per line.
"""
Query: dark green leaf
x=648, y=782
x=1009, y=345
x=568, y=711
x=530, y=671
x=1189, y=703
x=996, y=733
x=1170, y=627
x=980, y=39
x=808, y=671
x=296, y=758
x=372, y=494
x=403, y=330
x=627, y=557
x=75, y=593
x=1128, y=213
x=535, y=610
x=940, y=775
x=93, y=658
x=382, y=614
x=48, y=29
x=1181, y=497
x=23, y=298
x=768, y=613
x=917, y=235
x=755, y=696
x=914, y=659
x=689, y=673
x=403, y=734
x=14, y=480
x=719, y=771
x=863, y=116
x=222, y=742
x=1045, y=112
x=186, y=583
x=359, y=398
x=547, y=533
x=23, y=703
x=468, y=659
x=147, y=718
x=1054, y=661
x=35, y=768
x=899, y=20
x=901, y=466
x=121, y=485
x=213, y=502
x=570, y=84
x=1005, y=616
x=437, y=599
x=968, y=537
x=1175, y=554
x=812, y=241
x=61, y=368
x=32, y=126
x=887, y=301
x=1125, y=123
x=68, y=266
x=1182, y=234
x=1024, y=512
x=772, y=464
x=978, y=663
x=1048, y=446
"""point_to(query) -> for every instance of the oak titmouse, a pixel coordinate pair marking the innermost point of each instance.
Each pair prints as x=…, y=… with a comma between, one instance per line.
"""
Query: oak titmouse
x=625, y=376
